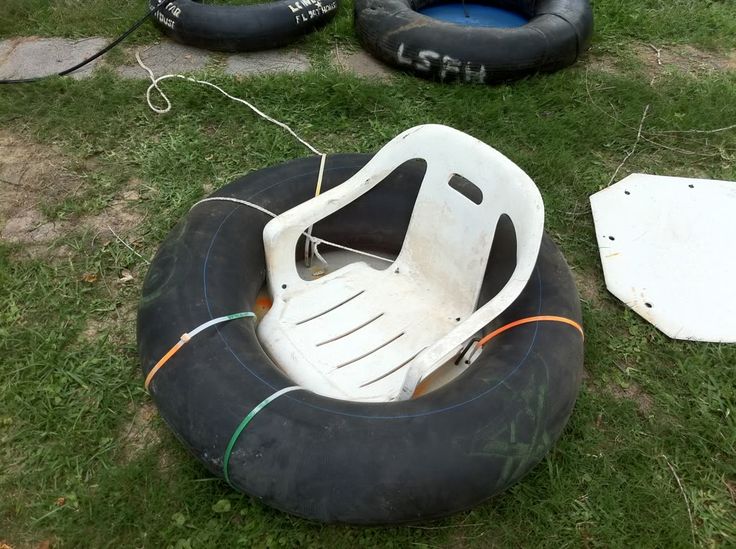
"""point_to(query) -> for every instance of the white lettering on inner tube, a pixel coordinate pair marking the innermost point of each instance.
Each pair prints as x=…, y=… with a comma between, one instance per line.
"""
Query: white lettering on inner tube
x=448, y=65
x=425, y=60
x=173, y=10
x=400, y=56
x=165, y=20
x=317, y=9
x=475, y=75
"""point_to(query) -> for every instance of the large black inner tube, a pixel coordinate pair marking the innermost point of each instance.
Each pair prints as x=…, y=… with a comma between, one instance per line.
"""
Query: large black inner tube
x=242, y=28
x=557, y=33
x=334, y=460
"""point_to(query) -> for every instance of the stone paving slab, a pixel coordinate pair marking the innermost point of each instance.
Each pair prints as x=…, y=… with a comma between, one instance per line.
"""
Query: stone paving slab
x=165, y=58
x=6, y=46
x=32, y=57
x=263, y=62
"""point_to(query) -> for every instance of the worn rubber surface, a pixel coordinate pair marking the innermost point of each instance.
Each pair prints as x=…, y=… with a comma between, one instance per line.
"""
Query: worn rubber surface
x=242, y=28
x=341, y=461
x=557, y=33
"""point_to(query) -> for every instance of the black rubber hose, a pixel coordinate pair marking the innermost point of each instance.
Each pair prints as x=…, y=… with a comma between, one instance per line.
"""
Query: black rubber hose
x=87, y=61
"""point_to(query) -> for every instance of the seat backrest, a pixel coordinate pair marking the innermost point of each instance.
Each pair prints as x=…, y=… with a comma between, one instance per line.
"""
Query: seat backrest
x=467, y=187
x=448, y=234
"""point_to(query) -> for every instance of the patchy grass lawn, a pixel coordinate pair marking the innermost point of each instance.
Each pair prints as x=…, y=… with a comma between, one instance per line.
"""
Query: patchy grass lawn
x=84, y=458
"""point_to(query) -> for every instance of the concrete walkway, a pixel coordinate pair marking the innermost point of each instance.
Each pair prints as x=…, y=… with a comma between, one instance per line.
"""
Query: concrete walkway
x=32, y=56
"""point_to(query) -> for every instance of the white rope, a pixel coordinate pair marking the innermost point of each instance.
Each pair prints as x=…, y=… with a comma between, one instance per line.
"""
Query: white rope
x=317, y=241
x=167, y=108
x=313, y=239
x=309, y=249
x=237, y=201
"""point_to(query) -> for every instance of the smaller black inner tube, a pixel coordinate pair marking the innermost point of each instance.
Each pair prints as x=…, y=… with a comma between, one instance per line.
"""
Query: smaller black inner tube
x=242, y=27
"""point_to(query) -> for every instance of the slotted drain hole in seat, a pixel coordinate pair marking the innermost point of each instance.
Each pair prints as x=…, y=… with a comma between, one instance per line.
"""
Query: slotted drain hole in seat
x=392, y=370
x=351, y=331
x=330, y=309
x=372, y=351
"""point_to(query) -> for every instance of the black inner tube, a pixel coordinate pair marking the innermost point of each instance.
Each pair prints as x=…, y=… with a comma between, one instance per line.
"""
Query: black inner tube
x=224, y=27
x=334, y=460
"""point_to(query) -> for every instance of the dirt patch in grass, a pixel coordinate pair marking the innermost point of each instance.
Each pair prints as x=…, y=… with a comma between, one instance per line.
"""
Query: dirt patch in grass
x=30, y=227
x=166, y=459
x=29, y=174
x=33, y=175
x=120, y=216
x=602, y=63
x=660, y=59
x=632, y=392
x=141, y=434
x=468, y=533
x=118, y=325
x=361, y=64
x=731, y=487
x=684, y=58
x=588, y=287
x=124, y=283
x=138, y=434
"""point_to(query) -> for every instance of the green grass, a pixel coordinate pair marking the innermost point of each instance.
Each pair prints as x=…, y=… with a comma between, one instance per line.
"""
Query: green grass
x=67, y=398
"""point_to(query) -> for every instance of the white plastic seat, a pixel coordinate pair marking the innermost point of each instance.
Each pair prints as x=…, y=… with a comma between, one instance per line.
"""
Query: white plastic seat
x=365, y=334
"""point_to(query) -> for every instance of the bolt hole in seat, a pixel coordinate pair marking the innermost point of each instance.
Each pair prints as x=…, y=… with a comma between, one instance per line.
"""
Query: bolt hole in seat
x=366, y=334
